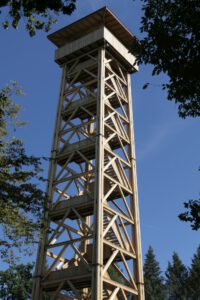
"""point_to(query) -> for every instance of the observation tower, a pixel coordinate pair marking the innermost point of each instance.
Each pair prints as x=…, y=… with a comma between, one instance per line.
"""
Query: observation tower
x=91, y=245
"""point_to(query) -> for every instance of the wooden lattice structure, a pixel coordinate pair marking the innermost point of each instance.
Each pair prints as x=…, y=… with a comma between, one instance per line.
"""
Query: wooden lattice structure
x=92, y=247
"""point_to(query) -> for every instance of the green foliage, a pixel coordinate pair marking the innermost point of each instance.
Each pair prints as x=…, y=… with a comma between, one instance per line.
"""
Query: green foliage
x=153, y=281
x=180, y=283
x=9, y=111
x=21, y=201
x=172, y=45
x=176, y=279
x=37, y=15
x=16, y=282
x=194, y=277
x=192, y=214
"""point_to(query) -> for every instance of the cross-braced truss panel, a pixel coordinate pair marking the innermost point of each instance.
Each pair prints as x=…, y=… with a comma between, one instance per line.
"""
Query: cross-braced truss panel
x=79, y=169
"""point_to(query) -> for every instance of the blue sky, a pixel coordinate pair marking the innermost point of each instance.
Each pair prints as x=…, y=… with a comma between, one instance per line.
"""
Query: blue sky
x=167, y=147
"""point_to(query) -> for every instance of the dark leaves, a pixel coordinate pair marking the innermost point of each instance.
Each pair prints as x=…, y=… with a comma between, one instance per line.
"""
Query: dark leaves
x=172, y=46
x=145, y=86
x=192, y=214
x=21, y=199
x=38, y=15
x=16, y=282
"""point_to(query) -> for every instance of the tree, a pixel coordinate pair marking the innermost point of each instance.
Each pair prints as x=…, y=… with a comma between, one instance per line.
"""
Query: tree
x=192, y=213
x=194, y=277
x=172, y=45
x=153, y=281
x=21, y=201
x=16, y=282
x=176, y=279
x=36, y=14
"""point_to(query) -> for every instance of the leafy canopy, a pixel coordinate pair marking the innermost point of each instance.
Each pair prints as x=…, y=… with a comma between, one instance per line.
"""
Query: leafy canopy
x=16, y=282
x=172, y=45
x=36, y=14
x=21, y=201
x=192, y=213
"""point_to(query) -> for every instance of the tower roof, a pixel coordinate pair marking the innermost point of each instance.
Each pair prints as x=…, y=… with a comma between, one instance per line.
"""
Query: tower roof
x=90, y=23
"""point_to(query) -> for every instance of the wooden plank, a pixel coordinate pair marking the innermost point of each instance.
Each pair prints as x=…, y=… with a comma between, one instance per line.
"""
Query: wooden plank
x=109, y=225
x=112, y=154
x=97, y=288
x=121, y=286
x=67, y=242
x=100, y=34
x=120, y=115
x=53, y=255
x=122, y=79
x=108, y=208
x=56, y=232
x=116, y=290
x=126, y=234
x=74, y=273
x=117, y=133
x=126, y=204
x=76, y=45
x=62, y=193
x=83, y=65
x=110, y=261
x=55, y=261
x=128, y=253
x=109, y=192
x=115, y=181
x=136, y=237
x=124, y=295
x=128, y=271
x=75, y=175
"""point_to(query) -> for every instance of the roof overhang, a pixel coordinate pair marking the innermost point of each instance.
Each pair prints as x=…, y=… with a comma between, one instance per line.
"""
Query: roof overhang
x=101, y=17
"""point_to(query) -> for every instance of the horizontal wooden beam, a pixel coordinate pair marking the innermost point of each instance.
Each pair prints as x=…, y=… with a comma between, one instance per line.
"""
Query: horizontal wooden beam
x=101, y=34
x=117, y=284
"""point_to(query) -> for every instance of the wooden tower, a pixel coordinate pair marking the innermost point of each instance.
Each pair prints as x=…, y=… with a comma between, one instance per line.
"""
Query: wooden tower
x=91, y=247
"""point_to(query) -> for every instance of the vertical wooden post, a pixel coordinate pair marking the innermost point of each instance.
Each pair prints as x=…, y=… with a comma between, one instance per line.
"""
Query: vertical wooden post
x=40, y=262
x=99, y=185
x=134, y=204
